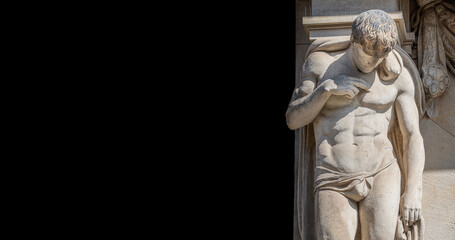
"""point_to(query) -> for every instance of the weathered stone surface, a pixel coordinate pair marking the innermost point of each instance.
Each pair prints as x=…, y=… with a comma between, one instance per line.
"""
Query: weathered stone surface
x=317, y=27
x=446, y=109
x=436, y=44
x=439, y=146
x=347, y=7
x=438, y=132
x=357, y=98
x=300, y=51
x=303, y=8
x=438, y=203
x=438, y=181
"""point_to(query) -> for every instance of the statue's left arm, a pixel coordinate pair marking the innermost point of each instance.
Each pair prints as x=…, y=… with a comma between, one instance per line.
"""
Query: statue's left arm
x=413, y=149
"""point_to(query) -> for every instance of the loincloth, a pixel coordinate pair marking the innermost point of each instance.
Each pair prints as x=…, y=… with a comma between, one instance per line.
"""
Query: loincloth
x=355, y=186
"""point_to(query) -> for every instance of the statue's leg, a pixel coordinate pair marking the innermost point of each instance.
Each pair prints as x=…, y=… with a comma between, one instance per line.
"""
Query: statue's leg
x=379, y=210
x=336, y=216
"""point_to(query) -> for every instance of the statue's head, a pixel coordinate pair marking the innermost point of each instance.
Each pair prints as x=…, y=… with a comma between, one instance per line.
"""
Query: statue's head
x=374, y=35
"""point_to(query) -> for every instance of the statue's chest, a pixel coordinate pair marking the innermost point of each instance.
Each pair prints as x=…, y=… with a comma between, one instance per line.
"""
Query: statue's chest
x=380, y=97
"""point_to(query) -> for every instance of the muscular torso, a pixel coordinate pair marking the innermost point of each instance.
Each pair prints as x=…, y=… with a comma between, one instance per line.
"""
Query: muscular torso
x=351, y=134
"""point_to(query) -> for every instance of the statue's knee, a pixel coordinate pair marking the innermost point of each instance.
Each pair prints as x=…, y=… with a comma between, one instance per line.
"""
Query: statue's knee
x=384, y=234
x=325, y=236
x=334, y=233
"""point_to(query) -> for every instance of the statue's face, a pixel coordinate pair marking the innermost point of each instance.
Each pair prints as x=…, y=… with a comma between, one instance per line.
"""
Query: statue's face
x=367, y=57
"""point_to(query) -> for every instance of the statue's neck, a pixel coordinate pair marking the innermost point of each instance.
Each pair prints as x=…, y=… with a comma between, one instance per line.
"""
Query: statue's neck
x=349, y=57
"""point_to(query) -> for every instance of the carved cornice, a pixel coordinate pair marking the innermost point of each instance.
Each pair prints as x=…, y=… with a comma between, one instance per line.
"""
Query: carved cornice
x=334, y=26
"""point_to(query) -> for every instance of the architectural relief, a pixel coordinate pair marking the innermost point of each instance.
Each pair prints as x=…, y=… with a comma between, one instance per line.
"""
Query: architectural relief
x=434, y=21
x=357, y=107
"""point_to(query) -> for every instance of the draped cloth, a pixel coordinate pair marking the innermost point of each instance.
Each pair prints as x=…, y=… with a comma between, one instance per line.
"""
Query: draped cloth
x=435, y=23
x=306, y=146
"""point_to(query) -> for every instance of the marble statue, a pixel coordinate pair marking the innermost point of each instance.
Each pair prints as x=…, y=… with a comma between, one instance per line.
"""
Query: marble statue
x=356, y=108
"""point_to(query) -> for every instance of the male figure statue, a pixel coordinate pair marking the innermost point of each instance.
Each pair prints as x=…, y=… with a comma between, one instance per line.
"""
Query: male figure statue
x=354, y=98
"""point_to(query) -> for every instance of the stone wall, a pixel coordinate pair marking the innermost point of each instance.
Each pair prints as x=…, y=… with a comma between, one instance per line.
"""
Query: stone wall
x=303, y=8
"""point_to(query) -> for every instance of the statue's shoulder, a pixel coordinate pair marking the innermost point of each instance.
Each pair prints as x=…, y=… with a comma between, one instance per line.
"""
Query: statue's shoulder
x=318, y=62
x=399, y=68
x=404, y=82
x=322, y=57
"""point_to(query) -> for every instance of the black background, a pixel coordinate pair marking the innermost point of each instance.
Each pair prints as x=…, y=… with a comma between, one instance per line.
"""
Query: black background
x=227, y=170
x=239, y=170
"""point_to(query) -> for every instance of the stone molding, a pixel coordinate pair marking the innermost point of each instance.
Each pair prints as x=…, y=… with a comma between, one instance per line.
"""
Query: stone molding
x=318, y=27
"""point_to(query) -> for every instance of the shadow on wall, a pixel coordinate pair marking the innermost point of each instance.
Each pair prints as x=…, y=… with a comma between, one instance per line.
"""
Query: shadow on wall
x=439, y=146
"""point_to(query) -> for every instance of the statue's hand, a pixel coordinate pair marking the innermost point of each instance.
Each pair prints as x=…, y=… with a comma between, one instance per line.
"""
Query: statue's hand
x=345, y=85
x=410, y=207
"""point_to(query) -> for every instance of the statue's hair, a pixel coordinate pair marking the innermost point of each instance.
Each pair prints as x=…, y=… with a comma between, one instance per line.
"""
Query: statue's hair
x=377, y=26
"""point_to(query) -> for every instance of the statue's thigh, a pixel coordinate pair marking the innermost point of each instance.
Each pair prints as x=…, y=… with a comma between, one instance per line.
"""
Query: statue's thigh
x=336, y=216
x=379, y=210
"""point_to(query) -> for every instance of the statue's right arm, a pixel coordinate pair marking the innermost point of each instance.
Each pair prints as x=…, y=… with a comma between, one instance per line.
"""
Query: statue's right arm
x=305, y=107
x=307, y=100
x=309, y=97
